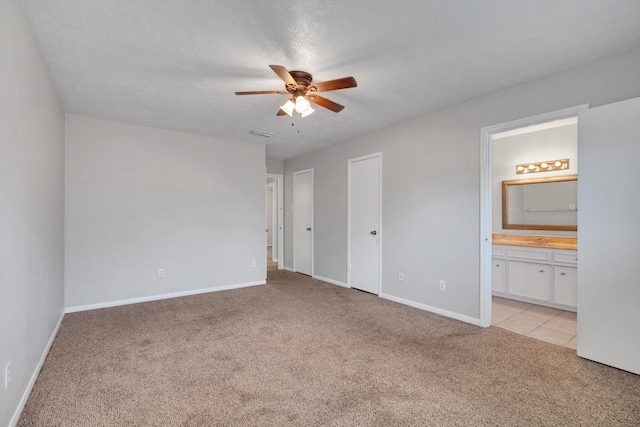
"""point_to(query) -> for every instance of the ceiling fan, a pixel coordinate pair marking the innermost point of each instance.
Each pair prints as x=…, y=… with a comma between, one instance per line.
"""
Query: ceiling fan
x=299, y=85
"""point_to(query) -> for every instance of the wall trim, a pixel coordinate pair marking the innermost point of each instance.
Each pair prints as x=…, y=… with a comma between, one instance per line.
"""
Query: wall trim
x=435, y=310
x=76, y=308
x=34, y=376
x=331, y=281
x=289, y=269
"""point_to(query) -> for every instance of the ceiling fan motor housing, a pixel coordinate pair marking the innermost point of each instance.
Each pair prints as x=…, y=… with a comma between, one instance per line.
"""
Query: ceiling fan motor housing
x=302, y=78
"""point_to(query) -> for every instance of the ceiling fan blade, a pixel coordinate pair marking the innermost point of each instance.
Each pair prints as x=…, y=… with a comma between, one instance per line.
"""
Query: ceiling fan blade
x=263, y=92
x=343, y=83
x=326, y=103
x=284, y=74
x=281, y=113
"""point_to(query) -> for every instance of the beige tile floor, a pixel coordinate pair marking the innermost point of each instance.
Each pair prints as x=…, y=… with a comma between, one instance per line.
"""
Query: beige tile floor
x=535, y=321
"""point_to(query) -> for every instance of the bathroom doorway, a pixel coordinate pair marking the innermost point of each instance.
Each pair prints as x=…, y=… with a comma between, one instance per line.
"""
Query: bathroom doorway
x=527, y=282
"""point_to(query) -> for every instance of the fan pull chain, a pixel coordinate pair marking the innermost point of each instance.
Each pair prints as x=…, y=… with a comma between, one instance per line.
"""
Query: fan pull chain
x=296, y=121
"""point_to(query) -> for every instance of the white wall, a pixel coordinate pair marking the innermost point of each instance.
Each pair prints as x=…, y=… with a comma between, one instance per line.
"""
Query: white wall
x=431, y=184
x=31, y=209
x=609, y=235
x=275, y=166
x=139, y=199
x=548, y=144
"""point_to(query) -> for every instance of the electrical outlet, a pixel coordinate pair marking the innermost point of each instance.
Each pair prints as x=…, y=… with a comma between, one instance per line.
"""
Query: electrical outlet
x=443, y=285
x=161, y=272
x=401, y=276
x=253, y=263
x=7, y=375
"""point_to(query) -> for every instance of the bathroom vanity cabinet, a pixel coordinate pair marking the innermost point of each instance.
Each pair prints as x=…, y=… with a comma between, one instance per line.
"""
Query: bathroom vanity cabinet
x=537, y=275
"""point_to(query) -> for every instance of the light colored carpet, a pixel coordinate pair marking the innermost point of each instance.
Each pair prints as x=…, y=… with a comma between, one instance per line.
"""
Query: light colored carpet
x=300, y=352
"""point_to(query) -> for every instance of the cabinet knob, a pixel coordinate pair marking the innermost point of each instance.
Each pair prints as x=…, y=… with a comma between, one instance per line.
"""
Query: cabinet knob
x=497, y=265
x=541, y=271
x=563, y=274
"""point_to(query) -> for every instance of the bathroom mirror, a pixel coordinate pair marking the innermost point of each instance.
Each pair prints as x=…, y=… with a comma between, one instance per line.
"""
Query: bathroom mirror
x=541, y=203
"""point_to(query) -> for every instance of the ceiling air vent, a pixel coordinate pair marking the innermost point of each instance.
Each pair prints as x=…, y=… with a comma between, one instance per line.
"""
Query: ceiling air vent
x=260, y=133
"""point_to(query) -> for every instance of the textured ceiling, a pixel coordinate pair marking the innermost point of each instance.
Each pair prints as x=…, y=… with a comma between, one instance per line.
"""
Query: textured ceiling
x=176, y=64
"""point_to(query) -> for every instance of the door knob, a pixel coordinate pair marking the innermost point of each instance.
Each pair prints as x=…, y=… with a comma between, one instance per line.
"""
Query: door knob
x=374, y=232
x=308, y=228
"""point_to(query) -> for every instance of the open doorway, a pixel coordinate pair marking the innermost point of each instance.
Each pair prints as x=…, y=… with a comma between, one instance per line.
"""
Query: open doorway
x=528, y=230
x=274, y=217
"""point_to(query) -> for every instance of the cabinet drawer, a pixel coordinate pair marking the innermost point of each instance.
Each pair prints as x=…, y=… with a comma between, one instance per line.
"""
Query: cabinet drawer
x=570, y=258
x=497, y=275
x=564, y=285
x=497, y=251
x=528, y=255
x=529, y=280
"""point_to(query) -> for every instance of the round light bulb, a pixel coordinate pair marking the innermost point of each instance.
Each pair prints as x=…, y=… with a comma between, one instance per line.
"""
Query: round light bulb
x=520, y=168
x=557, y=164
x=302, y=104
x=544, y=165
x=532, y=167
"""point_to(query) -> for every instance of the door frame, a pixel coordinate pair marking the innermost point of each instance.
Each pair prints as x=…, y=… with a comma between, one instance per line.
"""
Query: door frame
x=349, y=163
x=279, y=179
x=486, y=196
x=313, y=230
x=274, y=218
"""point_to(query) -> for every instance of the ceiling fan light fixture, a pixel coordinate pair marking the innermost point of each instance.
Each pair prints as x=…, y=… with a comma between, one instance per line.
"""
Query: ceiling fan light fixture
x=298, y=85
x=307, y=112
x=288, y=107
x=302, y=104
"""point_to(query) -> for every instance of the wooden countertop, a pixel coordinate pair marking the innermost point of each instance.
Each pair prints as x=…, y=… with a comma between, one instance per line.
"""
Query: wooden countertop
x=536, y=241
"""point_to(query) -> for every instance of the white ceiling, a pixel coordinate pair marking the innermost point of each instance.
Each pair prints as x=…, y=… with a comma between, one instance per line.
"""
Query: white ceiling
x=176, y=64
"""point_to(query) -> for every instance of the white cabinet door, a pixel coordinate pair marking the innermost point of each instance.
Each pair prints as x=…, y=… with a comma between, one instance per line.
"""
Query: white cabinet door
x=497, y=275
x=529, y=280
x=565, y=282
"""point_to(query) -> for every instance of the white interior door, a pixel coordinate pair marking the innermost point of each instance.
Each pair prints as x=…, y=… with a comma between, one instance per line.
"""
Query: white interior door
x=364, y=223
x=303, y=222
x=608, y=228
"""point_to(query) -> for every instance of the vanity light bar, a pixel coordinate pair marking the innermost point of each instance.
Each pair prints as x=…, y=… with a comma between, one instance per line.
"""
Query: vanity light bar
x=549, y=165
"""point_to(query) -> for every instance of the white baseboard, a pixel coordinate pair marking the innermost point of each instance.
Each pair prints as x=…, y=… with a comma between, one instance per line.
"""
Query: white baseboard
x=289, y=269
x=34, y=376
x=108, y=304
x=435, y=310
x=333, y=282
